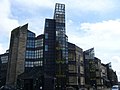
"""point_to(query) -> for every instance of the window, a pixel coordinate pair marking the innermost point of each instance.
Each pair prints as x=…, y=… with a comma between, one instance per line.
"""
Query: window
x=46, y=47
x=30, y=54
x=28, y=64
x=81, y=70
x=81, y=59
x=30, y=34
x=30, y=43
x=4, y=59
x=73, y=69
x=97, y=74
x=98, y=81
x=47, y=24
x=39, y=43
x=57, y=33
x=71, y=57
x=46, y=35
x=73, y=80
x=38, y=63
x=39, y=53
x=82, y=81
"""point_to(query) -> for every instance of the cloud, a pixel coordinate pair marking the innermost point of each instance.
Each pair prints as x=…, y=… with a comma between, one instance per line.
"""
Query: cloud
x=103, y=36
x=2, y=49
x=115, y=64
x=105, y=33
x=34, y=4
x=93, y=5
x=84, y=5
x=36, y=25
x=6, y=24
x=29, y=11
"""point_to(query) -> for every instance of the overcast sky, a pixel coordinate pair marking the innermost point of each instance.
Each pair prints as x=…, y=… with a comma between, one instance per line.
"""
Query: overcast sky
x=89, y=23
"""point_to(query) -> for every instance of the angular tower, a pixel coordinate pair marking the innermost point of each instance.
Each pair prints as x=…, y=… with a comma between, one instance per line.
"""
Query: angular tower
x=49, y=54
x=55, y=51
x=16, y=54
x=61, y=47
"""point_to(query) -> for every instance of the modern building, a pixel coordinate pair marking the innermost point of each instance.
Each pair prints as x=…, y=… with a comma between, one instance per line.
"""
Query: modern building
x=105, y=82
x=48, y=51
x=3, y=67
x=98, y=76
x=17, y=54
x=55, y=50
x=90, y=69
x=49, y=54
x=76, y=77
x=61, y=47
x=101, y=72
x=32, y=78
x=111, y=74
x=49, y=62
x=25, y=54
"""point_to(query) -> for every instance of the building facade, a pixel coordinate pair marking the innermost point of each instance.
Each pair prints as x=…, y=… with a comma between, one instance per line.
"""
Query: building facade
x=3, y=67
x=55, y=50
x=100, y=70
x=104, y=76
x=49, y=54
x=61, y=47
x=98, y=76
x=25, y=54
x=76, y=77
x=16, y=54
x=89, y=64
x=32, y=78
x=111, y=74
x=50, y=62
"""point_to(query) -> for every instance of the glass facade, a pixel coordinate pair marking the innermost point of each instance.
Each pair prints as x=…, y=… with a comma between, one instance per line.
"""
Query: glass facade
x=90, y=67
x=61, y=46
x=30, y=49
x=39, y=43
x=49, y=46
x=3, y=68
x=59, y=64
x=30, y=43
x=39, y=54
x=4, y=59
x=49, y=54
x=39, y=51
x=34, y=50
x=75, y=67
x=46, y=47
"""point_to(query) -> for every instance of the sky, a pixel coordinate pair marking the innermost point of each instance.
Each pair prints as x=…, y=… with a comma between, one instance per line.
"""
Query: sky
x=89, y=23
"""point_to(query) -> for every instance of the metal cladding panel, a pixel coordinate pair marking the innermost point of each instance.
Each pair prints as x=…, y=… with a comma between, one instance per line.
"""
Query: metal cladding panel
x=17, y=54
